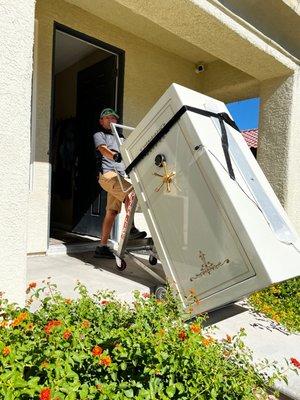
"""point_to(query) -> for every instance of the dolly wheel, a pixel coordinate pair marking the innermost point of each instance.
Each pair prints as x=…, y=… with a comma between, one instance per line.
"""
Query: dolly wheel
x=160, y=292
x=121, y=264
x=152, y=260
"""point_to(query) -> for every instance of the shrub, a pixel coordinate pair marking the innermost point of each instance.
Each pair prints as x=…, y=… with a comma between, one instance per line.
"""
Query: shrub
x=96, y=347
x=280, y=302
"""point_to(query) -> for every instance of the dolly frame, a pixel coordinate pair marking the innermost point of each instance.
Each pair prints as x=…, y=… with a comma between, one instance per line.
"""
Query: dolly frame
x=123, y=248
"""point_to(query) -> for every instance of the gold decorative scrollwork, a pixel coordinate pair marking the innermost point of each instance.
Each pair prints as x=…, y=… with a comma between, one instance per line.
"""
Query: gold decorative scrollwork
x=207, y=267
x=167, y=178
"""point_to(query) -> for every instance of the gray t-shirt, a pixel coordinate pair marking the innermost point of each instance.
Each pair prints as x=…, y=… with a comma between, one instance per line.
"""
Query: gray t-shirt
x=108, y=139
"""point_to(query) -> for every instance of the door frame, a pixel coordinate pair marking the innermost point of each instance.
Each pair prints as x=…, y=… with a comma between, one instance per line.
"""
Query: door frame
x=119, y=53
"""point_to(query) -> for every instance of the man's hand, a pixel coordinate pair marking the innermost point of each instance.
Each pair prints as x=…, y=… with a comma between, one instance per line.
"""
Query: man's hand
x=117, y=157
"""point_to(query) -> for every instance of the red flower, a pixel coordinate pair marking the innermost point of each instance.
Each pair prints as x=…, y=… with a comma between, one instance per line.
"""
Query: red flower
x=45, y=394
x=50, y=325
x=182, y=335
x=97, y=351
x=6, y=351
x=104, y=302
x=195, y=328
x=32, y=285
x=67, y=334
x=295, y=362
x=105, y=360
x=146, y=295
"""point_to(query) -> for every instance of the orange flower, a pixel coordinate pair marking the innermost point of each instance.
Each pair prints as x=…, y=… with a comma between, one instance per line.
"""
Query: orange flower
x=97, y=351
x=45, y=394
x=67, y=334
x=182, y=335
x=207, y=341
x=20, y=318
x=104, y=302
x=228, y=339
x=195, y=328
x=295, y=362
x=32, y=285
x=50, y=325
x=105, y=360
x=68, y=301
x=6, y=351
x=3, y=324
x=85, y=324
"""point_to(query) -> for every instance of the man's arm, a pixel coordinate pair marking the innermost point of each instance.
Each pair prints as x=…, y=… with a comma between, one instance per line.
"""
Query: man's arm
x=106, y=152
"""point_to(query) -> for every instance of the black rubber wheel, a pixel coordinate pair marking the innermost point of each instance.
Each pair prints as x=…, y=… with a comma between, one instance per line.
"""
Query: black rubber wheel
x=121, y=265
x=160, y=292
x=152, y=260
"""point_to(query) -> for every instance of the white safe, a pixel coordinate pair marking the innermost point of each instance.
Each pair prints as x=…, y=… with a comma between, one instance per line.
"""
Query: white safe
x=218, y=227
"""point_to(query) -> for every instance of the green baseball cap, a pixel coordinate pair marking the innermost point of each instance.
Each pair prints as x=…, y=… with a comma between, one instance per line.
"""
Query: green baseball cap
x=108, y=111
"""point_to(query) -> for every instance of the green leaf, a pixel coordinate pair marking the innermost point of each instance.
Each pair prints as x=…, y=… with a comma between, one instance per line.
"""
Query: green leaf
x=123, y=366
x=171, y=390
x=129, y=393
x=179, y=387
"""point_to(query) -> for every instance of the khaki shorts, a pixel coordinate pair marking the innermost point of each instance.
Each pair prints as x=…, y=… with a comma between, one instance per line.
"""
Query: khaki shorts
x=115, y=196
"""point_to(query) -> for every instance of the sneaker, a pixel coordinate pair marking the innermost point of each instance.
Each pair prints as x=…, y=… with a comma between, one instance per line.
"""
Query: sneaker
x=136, y=234
x=104, y=252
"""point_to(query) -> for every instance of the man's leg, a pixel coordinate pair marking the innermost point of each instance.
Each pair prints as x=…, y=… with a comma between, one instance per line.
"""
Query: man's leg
x=107, y=224
x=113, y=207
x=134, y=232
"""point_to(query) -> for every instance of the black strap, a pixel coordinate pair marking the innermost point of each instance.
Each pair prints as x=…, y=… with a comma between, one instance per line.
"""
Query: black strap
x=222, y=117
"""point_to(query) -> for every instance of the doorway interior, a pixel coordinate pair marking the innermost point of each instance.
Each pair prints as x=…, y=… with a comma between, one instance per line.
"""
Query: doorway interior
x=87, y=77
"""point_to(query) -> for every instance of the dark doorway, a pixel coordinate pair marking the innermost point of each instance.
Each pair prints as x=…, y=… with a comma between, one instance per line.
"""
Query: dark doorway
x=95, y=90
x=87, y=76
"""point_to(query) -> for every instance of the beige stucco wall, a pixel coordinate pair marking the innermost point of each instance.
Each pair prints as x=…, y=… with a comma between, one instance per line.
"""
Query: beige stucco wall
x=205, y=25
x=226, y=83
x=149, y=70
x=279, y=140
x=16, y=41
x=273, y=18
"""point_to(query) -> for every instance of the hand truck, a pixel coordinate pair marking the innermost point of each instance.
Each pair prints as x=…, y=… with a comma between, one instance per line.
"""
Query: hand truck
x=131, y=250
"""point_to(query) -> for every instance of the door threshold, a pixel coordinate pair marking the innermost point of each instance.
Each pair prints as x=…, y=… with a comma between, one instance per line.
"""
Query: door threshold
x=65, y=248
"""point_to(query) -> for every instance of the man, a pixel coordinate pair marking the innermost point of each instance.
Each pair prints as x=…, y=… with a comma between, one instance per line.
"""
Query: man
x=109, y=165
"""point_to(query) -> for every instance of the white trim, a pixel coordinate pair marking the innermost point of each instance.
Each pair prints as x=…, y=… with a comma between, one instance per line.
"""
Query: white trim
x=33, y=107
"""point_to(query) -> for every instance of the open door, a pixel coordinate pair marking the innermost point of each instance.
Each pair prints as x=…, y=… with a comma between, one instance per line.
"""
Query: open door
x=87, y=77
x=96, y=89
